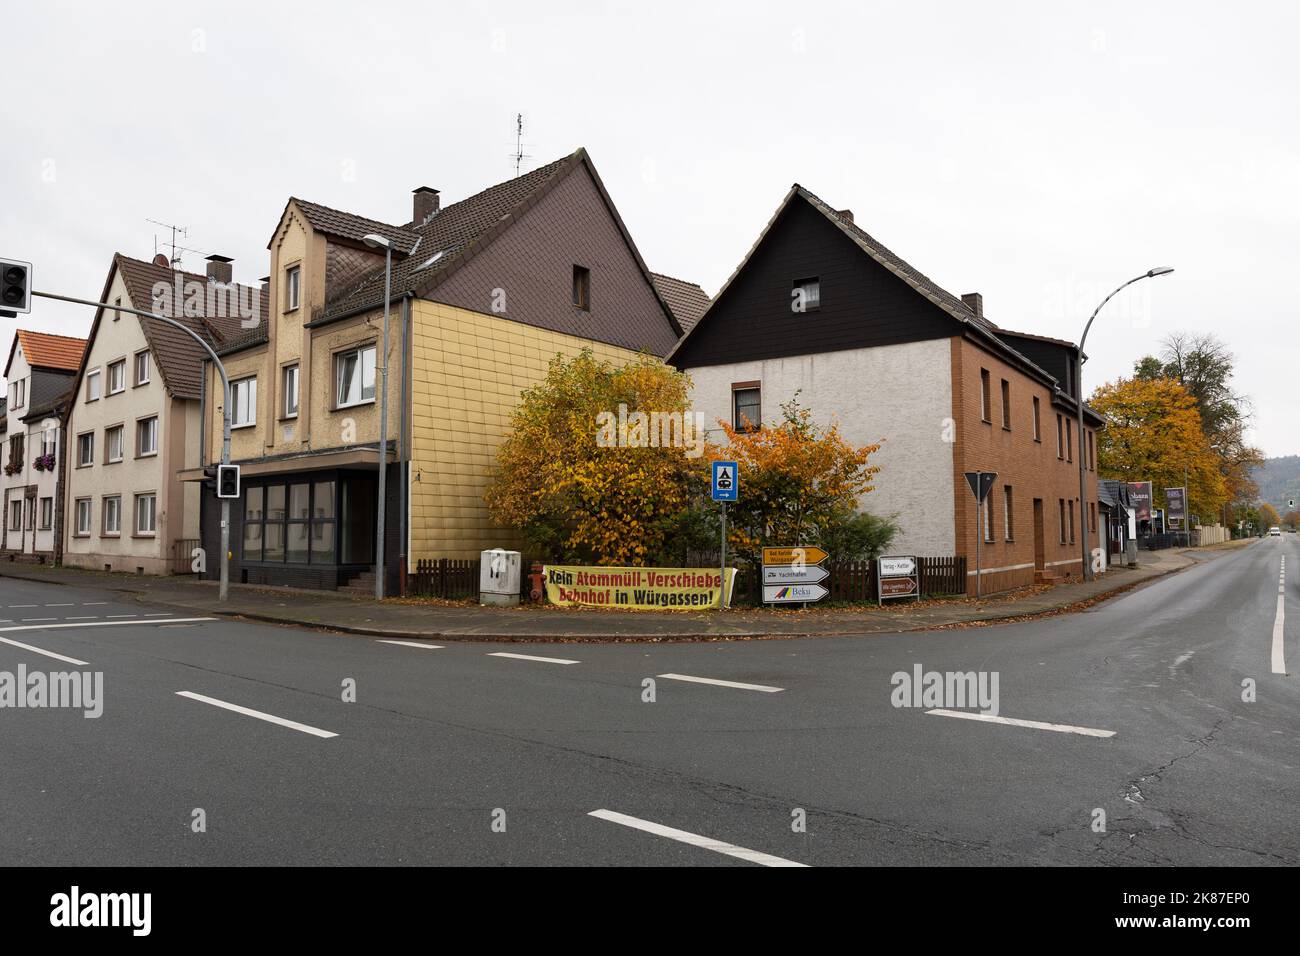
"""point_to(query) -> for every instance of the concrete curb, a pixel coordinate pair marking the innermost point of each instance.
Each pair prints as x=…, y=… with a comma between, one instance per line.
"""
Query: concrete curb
x=1010, y=616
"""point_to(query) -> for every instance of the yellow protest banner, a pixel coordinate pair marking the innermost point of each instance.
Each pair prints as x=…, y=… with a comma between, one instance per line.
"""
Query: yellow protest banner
x=639, y=589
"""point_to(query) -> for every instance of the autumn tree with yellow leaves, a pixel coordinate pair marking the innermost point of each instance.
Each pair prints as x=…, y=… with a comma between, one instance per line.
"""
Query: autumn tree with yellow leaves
x=1153, y=433
x=799, y=481
x=585, y=484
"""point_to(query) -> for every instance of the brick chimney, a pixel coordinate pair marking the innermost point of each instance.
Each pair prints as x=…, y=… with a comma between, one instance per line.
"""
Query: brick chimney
x=975, y=302
x=426, y=203
x=220, y=269
x=845, y=214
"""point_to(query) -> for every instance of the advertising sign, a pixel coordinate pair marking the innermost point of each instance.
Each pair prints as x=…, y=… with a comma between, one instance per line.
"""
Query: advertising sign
x=1176, y=502
x=794, y=555
x=1139, y=493
x=641, y=589
x=793, y=593
x=793, y=573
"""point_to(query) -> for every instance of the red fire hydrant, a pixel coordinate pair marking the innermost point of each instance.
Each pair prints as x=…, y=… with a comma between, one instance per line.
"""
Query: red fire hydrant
x=535, y=588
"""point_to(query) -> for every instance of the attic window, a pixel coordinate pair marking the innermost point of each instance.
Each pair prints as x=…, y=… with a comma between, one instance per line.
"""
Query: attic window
x=806, y=295
x=582, y=288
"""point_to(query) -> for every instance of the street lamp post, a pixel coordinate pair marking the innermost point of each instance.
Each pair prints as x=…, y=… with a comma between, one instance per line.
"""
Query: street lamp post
x=379, y=242
x=1083, y=447
x=224, y=589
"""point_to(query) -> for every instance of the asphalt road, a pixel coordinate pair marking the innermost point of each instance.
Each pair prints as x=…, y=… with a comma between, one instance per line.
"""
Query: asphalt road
x=456, y=755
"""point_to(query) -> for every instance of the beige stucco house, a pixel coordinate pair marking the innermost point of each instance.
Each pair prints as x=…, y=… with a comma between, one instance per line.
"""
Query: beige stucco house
x=134, y=422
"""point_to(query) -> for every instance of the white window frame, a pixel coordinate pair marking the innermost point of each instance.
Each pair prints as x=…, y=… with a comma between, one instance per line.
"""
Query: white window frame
x=359, y=376
x=15, y=514
x=45, y=524
x=94, y=391
x=152, y=514
x=135, y=367
x=140, y=424
x=1007, y=504
x=114, y=527
x=85, y=461
x=83, y=526
x=249, y=406
x=18, y=398
x=291, y=394
x=120, y=431
x=118, y=366
x=293, y=288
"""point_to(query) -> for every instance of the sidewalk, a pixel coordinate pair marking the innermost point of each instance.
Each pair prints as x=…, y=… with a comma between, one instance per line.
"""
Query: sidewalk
x=402, y=619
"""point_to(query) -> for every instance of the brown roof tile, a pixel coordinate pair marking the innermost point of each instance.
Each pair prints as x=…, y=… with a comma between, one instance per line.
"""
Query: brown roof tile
x=178, y=357
x=346, y=225
x=687, y=299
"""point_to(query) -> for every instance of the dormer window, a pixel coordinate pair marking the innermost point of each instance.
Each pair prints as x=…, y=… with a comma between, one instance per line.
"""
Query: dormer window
x=806, y=295
x=292, y=288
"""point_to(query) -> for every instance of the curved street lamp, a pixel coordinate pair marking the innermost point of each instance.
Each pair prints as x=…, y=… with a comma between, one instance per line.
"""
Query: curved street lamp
x=375, y=241
x=1078, y=384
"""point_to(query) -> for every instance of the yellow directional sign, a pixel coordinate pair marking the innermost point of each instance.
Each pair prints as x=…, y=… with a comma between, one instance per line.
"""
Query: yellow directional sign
x=794, y=555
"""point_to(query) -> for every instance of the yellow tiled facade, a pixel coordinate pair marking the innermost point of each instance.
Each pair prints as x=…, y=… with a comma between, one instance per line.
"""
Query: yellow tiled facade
x=468, y=372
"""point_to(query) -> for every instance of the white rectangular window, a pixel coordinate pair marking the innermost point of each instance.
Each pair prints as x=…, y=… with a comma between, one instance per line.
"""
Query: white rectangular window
x=47, y=514
x=112, y=515
x=18, y=394
x=145, y=513
x=16, y=515
x=117, y=376
x=1008, y=522
x=49, y=441
x=92, y=386
x=31, y=514
x=291, y=391
x=292, y=288
x=988, y=519
x=146, y=437
x=807, y=295
x=113, y=443
x=85, y=450
x=141, y=368
x=354, y=374
x=83, y=516
x=243, y=402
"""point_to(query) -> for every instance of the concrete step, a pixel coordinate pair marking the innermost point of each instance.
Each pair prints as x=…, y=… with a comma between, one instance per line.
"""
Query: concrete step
x=1048, y=577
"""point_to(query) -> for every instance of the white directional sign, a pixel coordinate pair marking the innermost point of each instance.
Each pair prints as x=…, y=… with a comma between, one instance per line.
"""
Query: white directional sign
x=891, y=567
x=792, y=593
x=793, y=574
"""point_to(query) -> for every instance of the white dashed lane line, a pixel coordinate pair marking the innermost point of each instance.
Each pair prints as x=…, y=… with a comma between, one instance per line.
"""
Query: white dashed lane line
x=533, y=657
x=260, y=715
x=428, y=647
x=694, y=839
x=762, y=688
x=1014, y=722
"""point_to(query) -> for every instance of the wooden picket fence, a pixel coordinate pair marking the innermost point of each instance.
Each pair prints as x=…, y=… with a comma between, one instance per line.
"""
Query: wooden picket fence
x=447, y=578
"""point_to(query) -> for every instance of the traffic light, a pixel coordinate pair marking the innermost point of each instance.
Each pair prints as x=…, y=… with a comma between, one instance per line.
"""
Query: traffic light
x=15, y=286
x=227, y=481
x=210, y=478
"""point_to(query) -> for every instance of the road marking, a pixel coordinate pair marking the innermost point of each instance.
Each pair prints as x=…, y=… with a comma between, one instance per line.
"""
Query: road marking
x=119, y=615
x=430, y=647
x=694, y=839
x=12, y=606
x=94, y=603
x=1014, y=722
x=248, y=712
x=59, y=627
x=533, y=657
x=1279, y=623
x=40, y=619
x=723, y=683
x=80, y=617
x=37, y=650
x=61, y=605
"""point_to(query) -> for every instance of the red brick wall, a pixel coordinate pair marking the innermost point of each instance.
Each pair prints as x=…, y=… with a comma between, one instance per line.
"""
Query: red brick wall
x=1030, y=467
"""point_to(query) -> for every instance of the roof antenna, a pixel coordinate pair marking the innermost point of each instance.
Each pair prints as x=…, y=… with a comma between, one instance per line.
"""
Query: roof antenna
x=520, y=155
x=182, y=231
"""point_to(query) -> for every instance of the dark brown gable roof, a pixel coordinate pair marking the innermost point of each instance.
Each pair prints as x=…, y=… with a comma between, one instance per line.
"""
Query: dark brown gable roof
x=454, y=235
x=178, y=357
x=687, y=300
x=346, y=225
x=983, y=330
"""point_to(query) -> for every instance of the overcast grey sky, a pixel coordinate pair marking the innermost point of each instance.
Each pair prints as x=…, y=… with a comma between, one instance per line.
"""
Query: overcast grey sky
x=1039, y=153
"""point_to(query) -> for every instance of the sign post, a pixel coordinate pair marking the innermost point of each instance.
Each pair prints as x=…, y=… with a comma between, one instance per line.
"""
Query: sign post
x=725, y=487
x=791, y=575
x=981, y=483
x=897, y=576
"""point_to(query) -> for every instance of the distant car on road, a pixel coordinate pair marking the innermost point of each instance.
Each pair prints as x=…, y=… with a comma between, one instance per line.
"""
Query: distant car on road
x=1275, y=532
